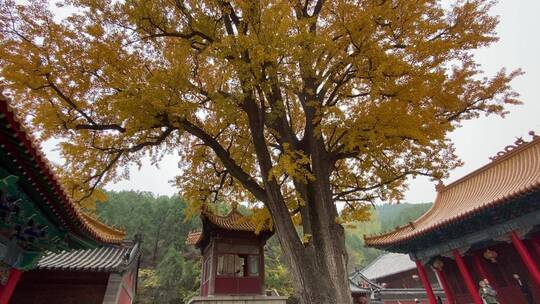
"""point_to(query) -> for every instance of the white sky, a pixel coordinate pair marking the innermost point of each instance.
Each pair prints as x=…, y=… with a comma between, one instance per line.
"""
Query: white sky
x=519, y=47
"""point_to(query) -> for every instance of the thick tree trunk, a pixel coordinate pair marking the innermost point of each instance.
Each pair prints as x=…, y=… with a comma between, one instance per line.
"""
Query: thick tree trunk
x=319, y=270
x=319, y=267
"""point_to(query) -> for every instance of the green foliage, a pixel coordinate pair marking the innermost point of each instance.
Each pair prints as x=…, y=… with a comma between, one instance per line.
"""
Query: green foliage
x=276, y=275
x=169, y=269
x=358, y=254
x=392, y=216
x=178, y=278
x=383, y=218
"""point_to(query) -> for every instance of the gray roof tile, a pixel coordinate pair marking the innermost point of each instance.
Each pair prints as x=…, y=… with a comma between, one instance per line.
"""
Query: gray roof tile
x=388, y=264
x=101, y=259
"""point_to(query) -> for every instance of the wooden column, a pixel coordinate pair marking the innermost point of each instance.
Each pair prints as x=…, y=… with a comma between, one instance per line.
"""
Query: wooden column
x=480, y=267
x=214, y=255
x=6, y=291
x=471, y=286
x=261, y=268
x=425, y=281
x=446, y=287
x=526, y=258
x=536, y=245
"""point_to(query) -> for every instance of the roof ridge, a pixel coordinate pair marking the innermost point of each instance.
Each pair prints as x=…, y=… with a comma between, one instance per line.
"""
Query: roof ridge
x=491, y=183
x=517, y=147
x=526, y=145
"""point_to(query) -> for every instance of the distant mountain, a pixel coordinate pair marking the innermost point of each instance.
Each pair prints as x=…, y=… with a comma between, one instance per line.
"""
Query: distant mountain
x=383, y=218
x=394, y=215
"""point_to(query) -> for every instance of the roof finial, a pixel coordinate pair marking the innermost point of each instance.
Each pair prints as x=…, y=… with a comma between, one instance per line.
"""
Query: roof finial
x=517, y=143
x=440, y=186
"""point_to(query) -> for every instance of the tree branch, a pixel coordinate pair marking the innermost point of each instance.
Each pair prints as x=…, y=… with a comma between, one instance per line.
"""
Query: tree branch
x=232, y=167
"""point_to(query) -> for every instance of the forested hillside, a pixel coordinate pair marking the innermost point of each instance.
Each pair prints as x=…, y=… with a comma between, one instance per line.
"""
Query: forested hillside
x=169, y=271
x=383, y=218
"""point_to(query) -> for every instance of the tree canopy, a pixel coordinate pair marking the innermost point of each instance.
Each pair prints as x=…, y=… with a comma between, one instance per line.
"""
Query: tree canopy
x=292, y=106
x=382, y=83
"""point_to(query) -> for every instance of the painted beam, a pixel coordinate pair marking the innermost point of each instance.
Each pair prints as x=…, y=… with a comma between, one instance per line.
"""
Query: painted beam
x=493, y=232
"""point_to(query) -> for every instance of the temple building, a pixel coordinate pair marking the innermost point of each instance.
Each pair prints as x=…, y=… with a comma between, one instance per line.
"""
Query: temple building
x=106, y=274
x=392, y=279
x=484, y=226
x=232, y=252
x=39, y=223
x=395, y=270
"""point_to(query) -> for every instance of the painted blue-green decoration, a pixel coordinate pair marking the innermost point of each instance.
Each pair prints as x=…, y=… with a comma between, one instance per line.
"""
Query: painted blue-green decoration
x=27, y=233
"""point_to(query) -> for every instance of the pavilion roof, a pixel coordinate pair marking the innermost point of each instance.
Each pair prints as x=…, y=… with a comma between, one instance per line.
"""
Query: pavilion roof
x=358, y=279
x=116, y=258
x=511, y=174
x=193, y=237
x=234, y=221
x=36, y=171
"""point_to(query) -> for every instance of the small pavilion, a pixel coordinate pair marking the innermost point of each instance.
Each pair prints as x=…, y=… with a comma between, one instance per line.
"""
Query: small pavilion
x=232, y=249
x=484, y=226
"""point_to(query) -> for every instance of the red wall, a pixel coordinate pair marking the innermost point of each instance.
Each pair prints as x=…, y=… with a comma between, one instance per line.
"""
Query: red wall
x=245, y=285
x=229, y=284
x=508, y=263
x=124, y=297
x=128, y=286
x=56, y=287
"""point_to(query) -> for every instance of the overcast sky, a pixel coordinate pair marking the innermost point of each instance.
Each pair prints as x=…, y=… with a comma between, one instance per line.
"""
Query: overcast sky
x=519, y=47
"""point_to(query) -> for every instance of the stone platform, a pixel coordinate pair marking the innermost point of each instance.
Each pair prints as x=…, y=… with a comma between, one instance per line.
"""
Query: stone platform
x=238, y=300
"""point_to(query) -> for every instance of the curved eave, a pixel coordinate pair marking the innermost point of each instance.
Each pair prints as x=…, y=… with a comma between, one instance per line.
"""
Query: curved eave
x=502, y=181
x=233, y=222
x=29, y=159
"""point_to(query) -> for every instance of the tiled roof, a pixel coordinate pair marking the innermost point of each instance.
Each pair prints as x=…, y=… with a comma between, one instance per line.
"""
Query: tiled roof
x=232, y=221
x=193, y=237
x=28, y=156
x=388, y=264
x=357, y=289
x=510, y=175
x=359, y=280
x=102, y=259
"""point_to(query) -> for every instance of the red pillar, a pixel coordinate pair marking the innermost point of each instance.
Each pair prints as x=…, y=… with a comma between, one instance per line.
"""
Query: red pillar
x=480, y=267
x=446, y=287
x=425, y=281
x=536, y=245
x=7, y=290
x=473, y=291
x=526, y=257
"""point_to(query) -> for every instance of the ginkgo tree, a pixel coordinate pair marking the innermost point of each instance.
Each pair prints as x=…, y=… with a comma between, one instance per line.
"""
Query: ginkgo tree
x=307, y=110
